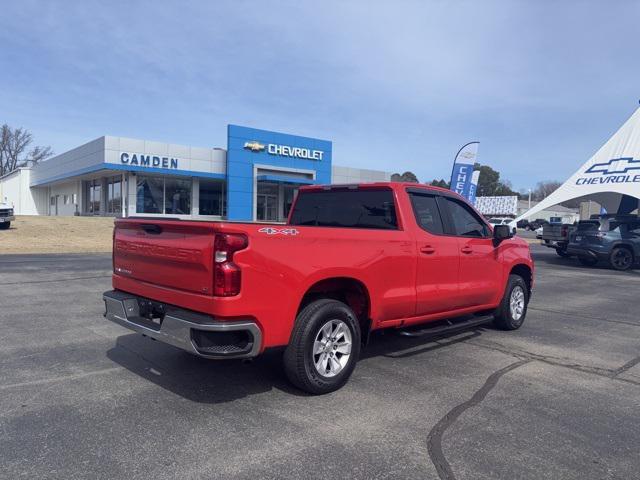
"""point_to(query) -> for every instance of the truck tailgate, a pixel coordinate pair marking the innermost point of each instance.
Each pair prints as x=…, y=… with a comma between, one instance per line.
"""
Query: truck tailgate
x=168, y=253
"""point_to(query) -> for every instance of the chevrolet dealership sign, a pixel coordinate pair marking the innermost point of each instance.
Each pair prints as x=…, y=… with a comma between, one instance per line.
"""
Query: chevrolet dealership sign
x=617, y=170
x=285, y=150
x=611, y=177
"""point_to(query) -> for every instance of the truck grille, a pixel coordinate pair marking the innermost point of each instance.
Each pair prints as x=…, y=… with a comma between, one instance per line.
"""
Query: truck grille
x=6, y=212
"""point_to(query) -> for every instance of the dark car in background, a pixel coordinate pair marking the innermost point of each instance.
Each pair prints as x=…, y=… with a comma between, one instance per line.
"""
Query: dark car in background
x=611, y=239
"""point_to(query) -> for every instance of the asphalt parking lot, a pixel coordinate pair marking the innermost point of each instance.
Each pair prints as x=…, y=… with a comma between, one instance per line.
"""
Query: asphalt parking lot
x=83, y=398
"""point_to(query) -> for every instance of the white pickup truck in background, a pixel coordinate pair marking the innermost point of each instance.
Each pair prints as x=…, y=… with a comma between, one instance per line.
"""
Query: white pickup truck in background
x=6, y=216
x=556, y=233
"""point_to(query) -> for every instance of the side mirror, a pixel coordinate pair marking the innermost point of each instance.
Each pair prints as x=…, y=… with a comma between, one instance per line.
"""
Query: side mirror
x=501, y=232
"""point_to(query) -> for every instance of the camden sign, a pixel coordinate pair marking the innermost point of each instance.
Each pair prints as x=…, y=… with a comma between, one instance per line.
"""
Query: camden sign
x=151, y=161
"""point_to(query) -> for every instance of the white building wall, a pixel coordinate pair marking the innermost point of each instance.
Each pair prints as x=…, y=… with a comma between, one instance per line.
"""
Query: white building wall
x=65, y=195
x=357, y=175
x=14, y=190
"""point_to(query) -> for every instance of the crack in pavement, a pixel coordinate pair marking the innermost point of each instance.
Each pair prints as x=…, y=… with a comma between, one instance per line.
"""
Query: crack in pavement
x=73, y=376
x=590, y=317
x=561, y=362
x=56, y=280
x=630, y=364
x=434, y=439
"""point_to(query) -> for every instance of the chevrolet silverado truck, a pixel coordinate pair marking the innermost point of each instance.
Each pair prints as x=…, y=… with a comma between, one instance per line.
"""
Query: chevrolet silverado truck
x=351, y=259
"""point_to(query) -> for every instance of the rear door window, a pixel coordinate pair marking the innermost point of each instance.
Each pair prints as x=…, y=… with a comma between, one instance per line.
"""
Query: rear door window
x=425, y=209
x=365, y=208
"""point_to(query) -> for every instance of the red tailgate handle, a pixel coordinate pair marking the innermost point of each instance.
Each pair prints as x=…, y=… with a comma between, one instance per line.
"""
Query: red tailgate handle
x=466, y=249
x=428, y=249
x=151, y=228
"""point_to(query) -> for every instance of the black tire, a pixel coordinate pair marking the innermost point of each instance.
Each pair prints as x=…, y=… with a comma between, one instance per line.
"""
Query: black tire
x=299, y=358
x=562, y=253
x=588, y=261
x=5, y=225
x=621, y=258
x=503, y=317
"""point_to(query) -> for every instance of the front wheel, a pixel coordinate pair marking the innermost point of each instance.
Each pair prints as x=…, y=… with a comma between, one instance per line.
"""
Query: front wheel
x=5, y=225
x=324, y=347
x=621, y=258
x=562, y=253
x=512, y=311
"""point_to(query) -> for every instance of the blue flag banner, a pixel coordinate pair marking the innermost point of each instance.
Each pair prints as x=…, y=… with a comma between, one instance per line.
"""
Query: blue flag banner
x=473, y=187
x=463, y=169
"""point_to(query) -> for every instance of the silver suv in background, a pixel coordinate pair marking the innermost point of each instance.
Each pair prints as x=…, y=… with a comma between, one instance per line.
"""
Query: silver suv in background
x=612, y=239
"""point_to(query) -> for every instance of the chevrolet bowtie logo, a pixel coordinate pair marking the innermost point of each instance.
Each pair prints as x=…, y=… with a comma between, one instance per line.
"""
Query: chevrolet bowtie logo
x=254, y=146
x=616, y=165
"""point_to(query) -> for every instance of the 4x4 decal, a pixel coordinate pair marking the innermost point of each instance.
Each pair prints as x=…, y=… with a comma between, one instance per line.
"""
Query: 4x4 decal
x=279, y=231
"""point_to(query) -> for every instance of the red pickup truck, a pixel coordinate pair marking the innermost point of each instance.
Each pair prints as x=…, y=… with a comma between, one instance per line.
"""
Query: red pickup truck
x=350, y=260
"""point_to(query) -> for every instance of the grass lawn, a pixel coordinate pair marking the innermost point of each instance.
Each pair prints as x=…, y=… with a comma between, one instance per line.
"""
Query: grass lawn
x=42, y=234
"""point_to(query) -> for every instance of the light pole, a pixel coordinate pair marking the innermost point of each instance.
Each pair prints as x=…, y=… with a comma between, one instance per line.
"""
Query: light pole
x=529, y=199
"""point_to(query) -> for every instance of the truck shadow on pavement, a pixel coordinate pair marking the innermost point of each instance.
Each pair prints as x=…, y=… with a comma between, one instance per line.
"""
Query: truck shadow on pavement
x=199, y=379
x=219, y=381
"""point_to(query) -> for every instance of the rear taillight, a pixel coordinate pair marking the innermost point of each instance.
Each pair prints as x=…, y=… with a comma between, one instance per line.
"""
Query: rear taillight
x=226, y=274
x=564, y=230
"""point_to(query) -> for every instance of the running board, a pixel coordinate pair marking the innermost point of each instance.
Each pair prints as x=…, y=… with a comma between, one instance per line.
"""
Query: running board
x=448, y=328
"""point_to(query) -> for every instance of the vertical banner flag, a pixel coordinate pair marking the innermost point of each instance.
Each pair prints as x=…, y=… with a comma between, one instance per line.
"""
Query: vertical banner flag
x=463, y=168
x=473, y=187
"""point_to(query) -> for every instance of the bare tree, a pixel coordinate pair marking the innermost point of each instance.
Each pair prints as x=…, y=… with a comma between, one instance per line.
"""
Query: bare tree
x=544, y=189
x=15, y=151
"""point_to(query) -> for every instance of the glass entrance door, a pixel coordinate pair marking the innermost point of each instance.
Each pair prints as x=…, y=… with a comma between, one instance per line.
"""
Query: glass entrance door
x=267, y=202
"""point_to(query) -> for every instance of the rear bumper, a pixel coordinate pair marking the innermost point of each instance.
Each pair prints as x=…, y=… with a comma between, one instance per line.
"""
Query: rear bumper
x=554, y=243
x=193, y=332
x=586, y=252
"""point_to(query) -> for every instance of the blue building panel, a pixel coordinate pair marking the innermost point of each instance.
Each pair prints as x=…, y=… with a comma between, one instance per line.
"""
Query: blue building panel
x=248, y=147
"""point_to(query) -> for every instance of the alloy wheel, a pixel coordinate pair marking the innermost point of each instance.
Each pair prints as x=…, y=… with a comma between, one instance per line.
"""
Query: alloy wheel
x=516, y=303
x=332, y=348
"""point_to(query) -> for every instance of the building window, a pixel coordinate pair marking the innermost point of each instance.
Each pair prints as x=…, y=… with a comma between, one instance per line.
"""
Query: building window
x=93, y=192
x=66, y=199
x=212, y=198
x=289, y=195
x=114, y=195
x=150, y=194
x=163, y=195
x=177, y=196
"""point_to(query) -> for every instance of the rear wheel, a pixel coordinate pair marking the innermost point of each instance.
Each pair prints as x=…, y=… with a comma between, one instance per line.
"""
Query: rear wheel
x=324, y=347
x=588, y=261
x=512, y=311
x=621, y=258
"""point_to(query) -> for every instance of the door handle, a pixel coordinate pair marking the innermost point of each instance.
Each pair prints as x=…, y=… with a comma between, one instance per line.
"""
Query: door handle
x=466, y=249
x=428, y=249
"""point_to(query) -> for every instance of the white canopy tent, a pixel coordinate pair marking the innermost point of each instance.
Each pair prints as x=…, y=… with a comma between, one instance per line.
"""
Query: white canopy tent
x=611, y=177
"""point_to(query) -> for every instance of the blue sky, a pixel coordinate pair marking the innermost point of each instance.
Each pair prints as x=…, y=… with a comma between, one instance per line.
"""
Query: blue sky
x=395, y=85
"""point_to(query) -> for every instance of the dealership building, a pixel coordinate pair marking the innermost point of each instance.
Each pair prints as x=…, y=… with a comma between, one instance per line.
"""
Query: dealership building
x=255, y=178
